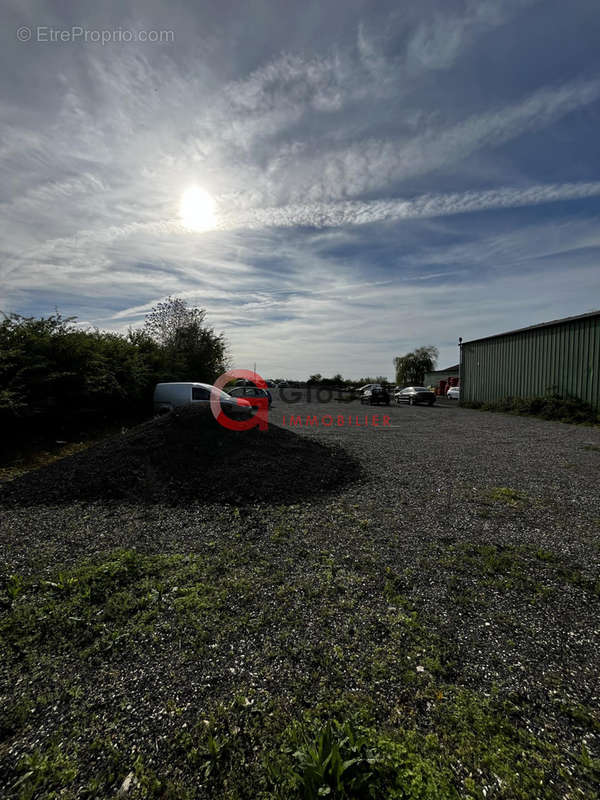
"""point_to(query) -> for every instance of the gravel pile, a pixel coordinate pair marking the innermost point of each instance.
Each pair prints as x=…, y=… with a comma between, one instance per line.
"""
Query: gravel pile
x=187, y=457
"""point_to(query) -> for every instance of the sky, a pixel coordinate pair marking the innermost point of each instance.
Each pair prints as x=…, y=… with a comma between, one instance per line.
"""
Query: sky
x=380, y=176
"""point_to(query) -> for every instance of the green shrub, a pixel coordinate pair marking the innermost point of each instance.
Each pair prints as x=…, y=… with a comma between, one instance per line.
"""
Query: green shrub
x=549, y=406
x=348, y=761
x=55, y=376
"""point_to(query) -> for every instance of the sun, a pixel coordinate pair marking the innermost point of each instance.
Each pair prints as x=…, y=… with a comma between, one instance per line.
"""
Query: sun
x=197, y=210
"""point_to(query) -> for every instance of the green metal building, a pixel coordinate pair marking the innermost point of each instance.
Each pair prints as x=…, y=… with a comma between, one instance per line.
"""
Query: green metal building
x=562, y=356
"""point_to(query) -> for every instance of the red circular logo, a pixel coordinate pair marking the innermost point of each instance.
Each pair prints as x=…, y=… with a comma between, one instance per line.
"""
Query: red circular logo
x=260, y=418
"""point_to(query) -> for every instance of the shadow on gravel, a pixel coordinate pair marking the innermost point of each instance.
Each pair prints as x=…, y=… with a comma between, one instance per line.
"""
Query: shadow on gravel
x=186, y=457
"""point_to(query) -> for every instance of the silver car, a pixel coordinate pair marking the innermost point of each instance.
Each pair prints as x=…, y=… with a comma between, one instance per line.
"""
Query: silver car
x=248, y=392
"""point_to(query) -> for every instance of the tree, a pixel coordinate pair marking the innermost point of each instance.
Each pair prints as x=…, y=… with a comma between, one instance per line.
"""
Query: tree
x=167, y=318
x=191, y=350
x=411, y=368
x=199, y=353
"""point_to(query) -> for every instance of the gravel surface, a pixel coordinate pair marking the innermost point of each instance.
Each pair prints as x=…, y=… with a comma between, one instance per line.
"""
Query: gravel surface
x=477, y=533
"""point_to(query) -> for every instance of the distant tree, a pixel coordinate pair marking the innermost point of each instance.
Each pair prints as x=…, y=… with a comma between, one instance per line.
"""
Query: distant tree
x=411, y=368
x=336, y=380
x=377, y=379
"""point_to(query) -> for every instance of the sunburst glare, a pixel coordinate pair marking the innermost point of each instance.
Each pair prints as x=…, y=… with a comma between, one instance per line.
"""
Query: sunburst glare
x=197, y=210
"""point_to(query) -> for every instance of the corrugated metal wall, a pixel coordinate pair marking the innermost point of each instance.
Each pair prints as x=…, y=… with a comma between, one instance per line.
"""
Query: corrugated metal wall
x=564, y=357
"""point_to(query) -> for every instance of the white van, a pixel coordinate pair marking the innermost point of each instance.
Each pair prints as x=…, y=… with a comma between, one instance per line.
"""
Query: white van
x=168, y=396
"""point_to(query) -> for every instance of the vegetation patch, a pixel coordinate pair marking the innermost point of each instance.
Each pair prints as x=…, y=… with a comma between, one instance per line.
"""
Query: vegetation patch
x=549, y=406
x=526, y=569
x=364, y=697
x=23, y=462
x=57, y=377
x=506, y=495
x=472, y=747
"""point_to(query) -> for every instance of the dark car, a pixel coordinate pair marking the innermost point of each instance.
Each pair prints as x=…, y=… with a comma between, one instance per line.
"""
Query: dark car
x=415, y=394
x=375, y=395
x=248, y=392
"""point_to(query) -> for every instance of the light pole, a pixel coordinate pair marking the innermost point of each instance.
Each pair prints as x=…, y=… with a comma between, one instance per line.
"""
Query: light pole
x=459, y=361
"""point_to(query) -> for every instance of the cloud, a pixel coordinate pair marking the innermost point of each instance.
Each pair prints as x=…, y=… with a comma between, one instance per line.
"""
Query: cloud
x=340, y=214
x=375, y=164
x=438, y=41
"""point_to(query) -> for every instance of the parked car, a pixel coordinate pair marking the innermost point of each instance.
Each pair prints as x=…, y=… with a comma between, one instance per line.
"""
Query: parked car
x=249, y=392
x=168, y=396
x=415, y=394
x=376, y=395
x=453, y=393
x=368, y=387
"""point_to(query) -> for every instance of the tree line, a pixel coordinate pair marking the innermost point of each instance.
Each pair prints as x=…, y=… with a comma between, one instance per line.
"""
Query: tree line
x=53, y=371
x=409, y=370
x=338, y=380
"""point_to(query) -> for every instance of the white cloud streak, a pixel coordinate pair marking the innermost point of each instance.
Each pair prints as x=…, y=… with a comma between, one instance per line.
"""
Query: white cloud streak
x=341, y=214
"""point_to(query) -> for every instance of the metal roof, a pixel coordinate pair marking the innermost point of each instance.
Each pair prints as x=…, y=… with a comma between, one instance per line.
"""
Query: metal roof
x=588, y=315
x=448, y=369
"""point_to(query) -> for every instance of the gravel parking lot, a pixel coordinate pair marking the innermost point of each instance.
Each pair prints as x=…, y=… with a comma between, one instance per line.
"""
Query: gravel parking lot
x=453, y=589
